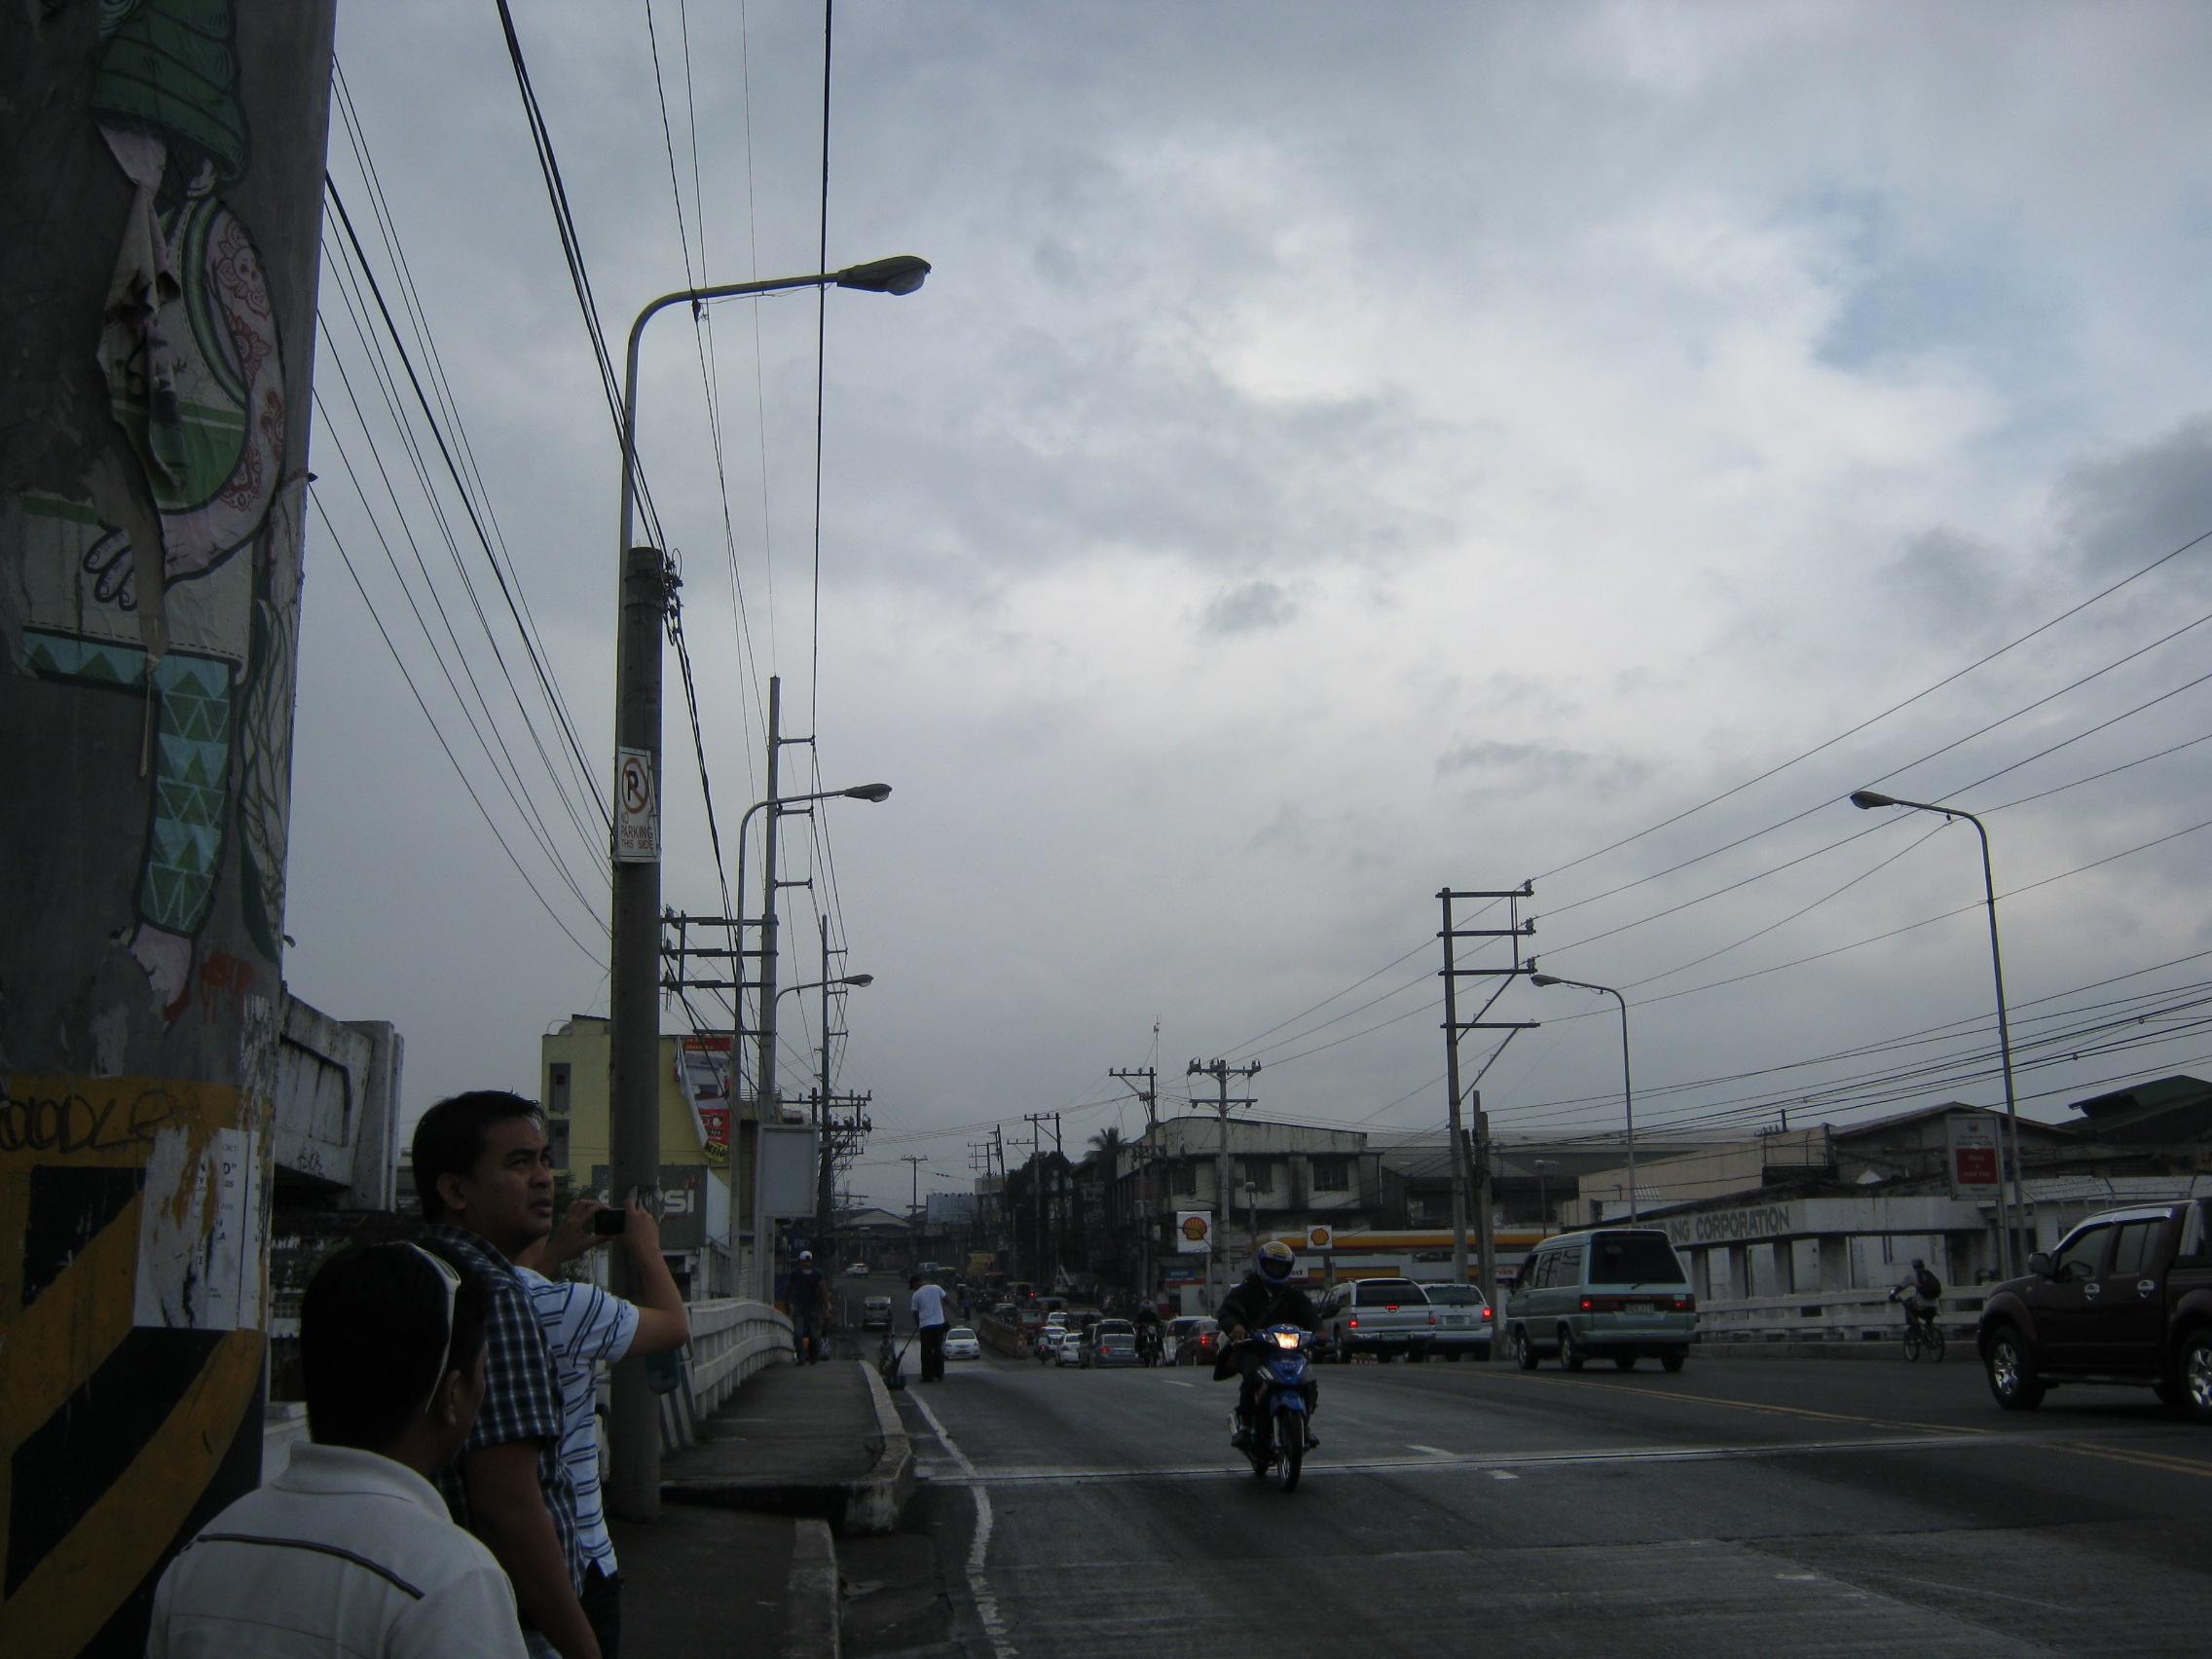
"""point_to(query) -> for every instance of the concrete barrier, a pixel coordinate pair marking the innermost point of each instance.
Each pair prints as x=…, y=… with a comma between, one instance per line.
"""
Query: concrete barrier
x=1000, y=1337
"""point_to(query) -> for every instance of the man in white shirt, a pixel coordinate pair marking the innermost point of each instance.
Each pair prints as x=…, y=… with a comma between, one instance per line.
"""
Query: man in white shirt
x=928, y=1304
x=350, y=1550
x=586, y=1328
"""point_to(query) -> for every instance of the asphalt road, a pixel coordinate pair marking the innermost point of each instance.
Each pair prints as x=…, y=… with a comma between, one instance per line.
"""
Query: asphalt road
x=1801, y=1507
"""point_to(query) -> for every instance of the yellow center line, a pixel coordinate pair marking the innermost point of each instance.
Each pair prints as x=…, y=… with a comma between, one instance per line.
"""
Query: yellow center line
x=2142, y=1459
x=1741, y=1404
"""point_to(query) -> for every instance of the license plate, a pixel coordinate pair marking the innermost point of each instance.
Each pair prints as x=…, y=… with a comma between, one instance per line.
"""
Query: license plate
x=1394, y=1336
x=1456, y=1320
x=1640, y=1308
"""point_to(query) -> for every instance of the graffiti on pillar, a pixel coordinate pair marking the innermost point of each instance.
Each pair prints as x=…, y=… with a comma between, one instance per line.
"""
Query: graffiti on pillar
x=129, y=1335
x=177, y=578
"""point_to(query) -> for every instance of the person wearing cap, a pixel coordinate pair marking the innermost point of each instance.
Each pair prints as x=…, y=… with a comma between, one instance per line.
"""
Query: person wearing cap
x=1264, y=1297
x=350, y=1550
x=805, y=1290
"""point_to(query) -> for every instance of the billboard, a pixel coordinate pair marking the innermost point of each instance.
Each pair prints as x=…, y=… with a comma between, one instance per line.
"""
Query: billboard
x=1193, y=1233
x=703, y=1071
x=1972, y=1161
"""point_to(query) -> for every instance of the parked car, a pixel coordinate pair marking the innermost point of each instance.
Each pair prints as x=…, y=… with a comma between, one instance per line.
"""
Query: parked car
x=2125, y=1298
x=1069, y=1350
x=1198, y=1344
x=859, y=1269
x=1381, y=1317
x=1111, y=1342
x=876, y=1313
x=1612, y=1293
x=960, y=1343
x=1463, y=1321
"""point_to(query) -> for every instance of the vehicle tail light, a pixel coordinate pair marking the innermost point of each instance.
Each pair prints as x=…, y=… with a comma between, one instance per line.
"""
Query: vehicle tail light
x=1433, y=1318
x=1685, y=1305
x=1389, y=1307
x=1601, y=1305
x=1485, y=1315
x=1354, y=1324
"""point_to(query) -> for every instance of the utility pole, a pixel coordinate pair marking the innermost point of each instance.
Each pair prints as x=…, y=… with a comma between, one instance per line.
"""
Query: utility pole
x=1149, y=1094
x=913, y=1163
x=634, y=985
x=823, y=1212
x=1049, y=1261
x=1466, y=1171
x=1221, y=1071
x=767, y=1102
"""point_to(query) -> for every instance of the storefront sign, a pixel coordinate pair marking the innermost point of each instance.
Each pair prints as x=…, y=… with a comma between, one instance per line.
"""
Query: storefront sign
x=1973, y=1161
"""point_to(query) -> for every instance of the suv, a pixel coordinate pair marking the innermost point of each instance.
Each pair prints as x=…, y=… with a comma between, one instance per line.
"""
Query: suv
x=2125, y=1298
x=876, y=1313
x=1464, y=1322
x=1617, y=1293
x=1379, y=1316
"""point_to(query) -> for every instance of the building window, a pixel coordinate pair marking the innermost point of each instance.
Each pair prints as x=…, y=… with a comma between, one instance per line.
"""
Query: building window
x=1184, y=1182
x=556, y=1140
x=557, y=1088
x=1331, y=1175
x=1256, y=1172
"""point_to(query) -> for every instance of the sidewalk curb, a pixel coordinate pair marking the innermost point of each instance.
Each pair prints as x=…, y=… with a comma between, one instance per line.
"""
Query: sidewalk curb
x=875, y=1502
x=872, y=1503
x=812, y=1599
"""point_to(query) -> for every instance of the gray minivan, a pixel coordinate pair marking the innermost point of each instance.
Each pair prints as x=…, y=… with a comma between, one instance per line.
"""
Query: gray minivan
x=1616, y=1292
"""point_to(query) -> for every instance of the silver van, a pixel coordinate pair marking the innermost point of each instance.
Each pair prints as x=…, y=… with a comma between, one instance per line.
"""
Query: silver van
x=1617, y=1293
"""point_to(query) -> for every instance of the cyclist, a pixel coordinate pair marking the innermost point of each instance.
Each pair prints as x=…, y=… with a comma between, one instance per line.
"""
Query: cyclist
x=1919, y=1291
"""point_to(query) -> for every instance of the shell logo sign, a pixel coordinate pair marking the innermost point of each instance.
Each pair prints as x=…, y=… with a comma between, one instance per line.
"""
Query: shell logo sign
x=1193, y=1231
x=1320, y=1237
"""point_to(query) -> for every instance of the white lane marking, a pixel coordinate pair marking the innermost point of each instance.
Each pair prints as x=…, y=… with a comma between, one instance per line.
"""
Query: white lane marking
x=1177, y=1382
x=1502, y=1475
x=979, y=1546
x=1432, y=1451
x=1470, y=1463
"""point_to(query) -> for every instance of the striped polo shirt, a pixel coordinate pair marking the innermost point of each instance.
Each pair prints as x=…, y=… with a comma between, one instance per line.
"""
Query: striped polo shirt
x=586, y=1328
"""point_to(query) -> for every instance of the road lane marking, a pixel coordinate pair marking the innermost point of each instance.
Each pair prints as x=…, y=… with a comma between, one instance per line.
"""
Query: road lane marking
x=1476, y=1463
x=979, y=1546
x=1177, y=1382
x=1432, y=1451
x=1519, y=1376
x=2160, y=1460
x=1977, y=1590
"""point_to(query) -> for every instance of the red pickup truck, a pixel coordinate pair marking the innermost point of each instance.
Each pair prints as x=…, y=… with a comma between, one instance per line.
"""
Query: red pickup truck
x=2126, y=1297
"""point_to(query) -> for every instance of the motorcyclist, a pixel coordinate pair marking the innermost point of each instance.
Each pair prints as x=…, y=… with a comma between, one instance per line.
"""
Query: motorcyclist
x=1147, y=1321
x=1919, y=1291
x=1264, y=1297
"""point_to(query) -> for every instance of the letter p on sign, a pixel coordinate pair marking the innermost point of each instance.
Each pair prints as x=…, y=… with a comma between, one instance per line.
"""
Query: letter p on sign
x=637, y=807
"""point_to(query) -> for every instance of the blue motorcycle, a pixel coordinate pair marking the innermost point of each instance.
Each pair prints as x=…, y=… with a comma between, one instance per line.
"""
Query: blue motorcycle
x=1278, y=1433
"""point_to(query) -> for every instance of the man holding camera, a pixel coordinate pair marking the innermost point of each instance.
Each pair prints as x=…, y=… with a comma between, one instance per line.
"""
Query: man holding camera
x=587, y=1327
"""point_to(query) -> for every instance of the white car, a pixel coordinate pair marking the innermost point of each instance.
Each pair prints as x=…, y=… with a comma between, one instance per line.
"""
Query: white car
x=1070, y=1351
x=859, y=1269
x=960, y=1343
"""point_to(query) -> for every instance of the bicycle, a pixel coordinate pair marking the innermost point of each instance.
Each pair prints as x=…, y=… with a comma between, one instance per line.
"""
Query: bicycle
x=1923, y=1336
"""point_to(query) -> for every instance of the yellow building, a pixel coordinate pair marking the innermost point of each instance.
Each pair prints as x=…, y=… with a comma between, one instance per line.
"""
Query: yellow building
x=695, y=1084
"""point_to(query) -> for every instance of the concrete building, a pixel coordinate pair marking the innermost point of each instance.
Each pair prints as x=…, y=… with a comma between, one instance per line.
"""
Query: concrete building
x=1282, y=1178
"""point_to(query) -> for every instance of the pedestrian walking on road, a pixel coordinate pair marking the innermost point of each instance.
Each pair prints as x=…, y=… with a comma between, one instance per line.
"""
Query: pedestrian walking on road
x=587, y=1327
x=928, y=1304
x=805, y=1291
x=350, y=1549
x=486, y=1182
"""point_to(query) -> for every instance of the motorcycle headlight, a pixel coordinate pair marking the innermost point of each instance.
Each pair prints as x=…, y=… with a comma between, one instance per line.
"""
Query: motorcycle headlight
x=1287, y=1338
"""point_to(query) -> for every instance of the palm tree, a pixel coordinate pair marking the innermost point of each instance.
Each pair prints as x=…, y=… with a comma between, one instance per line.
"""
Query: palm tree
x=1110, y=1144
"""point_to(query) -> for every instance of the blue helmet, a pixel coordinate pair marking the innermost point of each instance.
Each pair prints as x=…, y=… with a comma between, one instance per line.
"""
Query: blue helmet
x=1274, y=1260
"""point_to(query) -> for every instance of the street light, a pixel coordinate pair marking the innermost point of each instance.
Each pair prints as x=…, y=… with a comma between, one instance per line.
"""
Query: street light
x=634, y=957
x=1628, y=1093
x=2007, y=1205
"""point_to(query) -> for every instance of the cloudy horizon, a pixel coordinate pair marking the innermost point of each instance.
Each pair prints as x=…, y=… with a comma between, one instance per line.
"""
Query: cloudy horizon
x=1338, y=453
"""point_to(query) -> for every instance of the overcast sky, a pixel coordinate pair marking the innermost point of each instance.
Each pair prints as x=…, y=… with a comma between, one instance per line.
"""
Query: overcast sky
x=1341, y=451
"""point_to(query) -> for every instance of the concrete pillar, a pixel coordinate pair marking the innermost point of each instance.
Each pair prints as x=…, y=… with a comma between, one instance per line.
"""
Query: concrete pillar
x=162, y=207
x=1834, y=1253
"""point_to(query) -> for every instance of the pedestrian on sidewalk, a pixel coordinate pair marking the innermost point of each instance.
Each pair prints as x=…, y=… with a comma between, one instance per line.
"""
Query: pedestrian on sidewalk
x=928, y=1304
x=484, y=1179
x=350, y=1550
x=805, y=1291
x=587, y=1327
